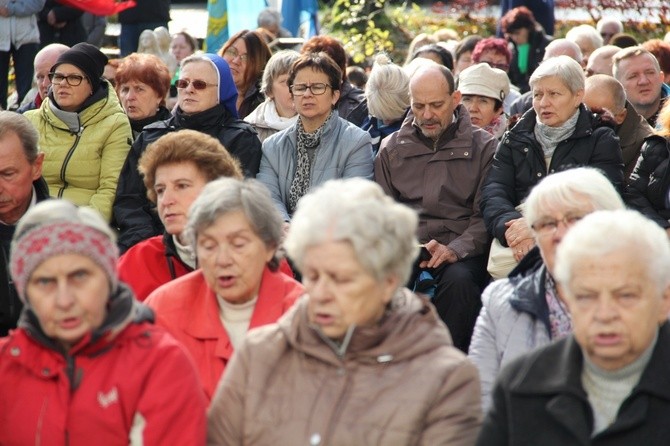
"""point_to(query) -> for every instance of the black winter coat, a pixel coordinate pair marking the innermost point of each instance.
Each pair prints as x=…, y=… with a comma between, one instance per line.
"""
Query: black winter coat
x=538, y=41
x=72, y=33
x=133, y=213
x=10, y=304
x=519, y=164
x=539, y=400
x=650, y=181
x=146, y=11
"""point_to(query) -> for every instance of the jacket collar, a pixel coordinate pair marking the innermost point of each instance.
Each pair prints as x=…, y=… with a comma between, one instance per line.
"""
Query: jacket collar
x=213, y=117
x=529, y=295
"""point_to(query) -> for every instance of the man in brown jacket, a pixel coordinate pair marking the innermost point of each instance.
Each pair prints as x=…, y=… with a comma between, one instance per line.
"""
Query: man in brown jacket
x=435, y=164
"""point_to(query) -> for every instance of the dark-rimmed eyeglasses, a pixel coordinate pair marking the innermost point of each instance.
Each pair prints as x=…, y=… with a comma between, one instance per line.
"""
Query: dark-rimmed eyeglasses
x=317, y=89
x=547, y=226
x=232, y=53
x=197, y=84
x=73, y=80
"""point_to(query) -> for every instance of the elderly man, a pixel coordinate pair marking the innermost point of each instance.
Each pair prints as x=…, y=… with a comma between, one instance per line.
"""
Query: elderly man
x=607, y=383
x=600, y=61
x=640, y=74
x=435, y=164
x=45, y=59
x=607, y=27
x=21, y=186
x=605, y=92
x=557, y=47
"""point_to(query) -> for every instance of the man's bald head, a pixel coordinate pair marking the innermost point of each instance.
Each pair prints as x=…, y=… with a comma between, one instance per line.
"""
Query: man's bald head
x=44, y=60
x=603, y=91
x=433, y=99
x=563, y=47
x=600, y=61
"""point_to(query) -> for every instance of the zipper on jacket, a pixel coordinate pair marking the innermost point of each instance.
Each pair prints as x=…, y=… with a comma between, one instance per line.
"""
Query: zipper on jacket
x=67, y=160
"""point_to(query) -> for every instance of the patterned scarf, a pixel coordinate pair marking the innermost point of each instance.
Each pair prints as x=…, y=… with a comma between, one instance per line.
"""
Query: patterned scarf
x=559, y=318
x=303, y=170
x=549, y=137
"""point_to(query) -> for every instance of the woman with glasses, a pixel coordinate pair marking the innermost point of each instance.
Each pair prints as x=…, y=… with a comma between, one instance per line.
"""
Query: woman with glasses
x=524, y=311
x=246, y=54
x=320, y=146
x=84, y=132
x=557, y=134
x=529, y=41
x=205, y=103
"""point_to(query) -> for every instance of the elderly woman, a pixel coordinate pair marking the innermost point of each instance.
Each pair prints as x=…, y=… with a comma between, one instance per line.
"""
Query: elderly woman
x=142, y=84
x=277, y=112
x=246, y=53
x=320, y=146
x=529, y=42
x=206, y=103
x=235, y=232
x=650, y=182
x=607, y=383
x=496, y=53
x=524, y=311
x=360, y=359
x=483, y=91
x=175, y=169
x=558, y=133
x=86, y=364
x=84, y=132
x=387, y=94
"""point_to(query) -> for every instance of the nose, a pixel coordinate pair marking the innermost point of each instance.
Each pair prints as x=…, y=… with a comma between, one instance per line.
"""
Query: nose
x=644, y=79
x=64, y=299
x=223, y=256
x=318, y=289
x=561, y=230
x=605, y=310
x=427, y=113
x=167, y=198
x=308, y=92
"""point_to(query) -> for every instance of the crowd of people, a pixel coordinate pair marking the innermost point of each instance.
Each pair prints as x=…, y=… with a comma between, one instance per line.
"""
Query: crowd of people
x=257, y=247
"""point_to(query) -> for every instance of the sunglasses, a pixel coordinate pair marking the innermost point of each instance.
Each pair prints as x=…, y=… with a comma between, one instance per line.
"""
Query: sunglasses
x=197, y=84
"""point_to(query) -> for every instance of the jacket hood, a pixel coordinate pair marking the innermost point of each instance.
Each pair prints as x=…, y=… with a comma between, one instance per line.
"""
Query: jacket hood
x=122, y=309
x=409, y=328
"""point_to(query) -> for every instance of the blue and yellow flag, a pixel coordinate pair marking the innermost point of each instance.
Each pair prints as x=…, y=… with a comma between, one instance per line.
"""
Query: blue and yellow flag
x=226, y=19
x=217, y=25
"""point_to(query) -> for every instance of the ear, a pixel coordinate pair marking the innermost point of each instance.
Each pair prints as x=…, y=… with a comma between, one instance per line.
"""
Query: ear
x=621, y=116
x=665, y=305
x=389, y=284
x=579, y=97
x=456, y=97
x=336, y=97
x=37, y=166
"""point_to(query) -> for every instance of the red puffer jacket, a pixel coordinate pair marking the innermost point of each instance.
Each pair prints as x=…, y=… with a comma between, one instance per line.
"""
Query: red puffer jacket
x=128, y=383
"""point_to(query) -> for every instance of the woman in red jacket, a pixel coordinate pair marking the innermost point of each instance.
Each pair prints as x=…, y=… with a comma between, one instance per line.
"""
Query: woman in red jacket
x=175, y=169
x=235, y=230
x=86, y=366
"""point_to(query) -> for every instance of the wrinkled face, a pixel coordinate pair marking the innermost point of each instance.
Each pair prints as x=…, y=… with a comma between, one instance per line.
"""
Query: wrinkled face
x=69, y=294
x=42, y=66
x=177, y=186
x=432, y=103
x=641, y=80
x=482, y=109
x=237, y=59
x=179, y=48
x=463, y=62
x=16, y=178
x=553, y=101
x=282, y=96
x=494, y=59
x=615, y=307
x=341, y=291
x=68, y=97
x=233, y=257
x=313, y=108
x=191, y=100
x=595, y=98
x=138, y=99
x=553, y=222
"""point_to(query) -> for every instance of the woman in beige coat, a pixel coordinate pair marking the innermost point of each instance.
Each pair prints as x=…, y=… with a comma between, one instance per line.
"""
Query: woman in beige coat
x=359, y=359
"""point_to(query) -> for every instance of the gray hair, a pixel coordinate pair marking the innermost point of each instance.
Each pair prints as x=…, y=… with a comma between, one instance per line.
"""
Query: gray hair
x=226, y=195
x=50, y=211
x=632, y=51
x=269, y=17
x=11, y=122
x=563, y=47
x=280, y=63
x=565, y=68
x=564, y=188
x=387, y=90
x=613, y=88
x=355, y=210
x=606, y=232
x=609, y=21
x=588, y=32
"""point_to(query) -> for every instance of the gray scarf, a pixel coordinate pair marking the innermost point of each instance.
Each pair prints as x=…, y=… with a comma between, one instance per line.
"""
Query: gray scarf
x=549, y=137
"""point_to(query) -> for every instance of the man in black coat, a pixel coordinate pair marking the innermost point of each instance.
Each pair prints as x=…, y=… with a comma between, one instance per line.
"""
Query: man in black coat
x=21, y=186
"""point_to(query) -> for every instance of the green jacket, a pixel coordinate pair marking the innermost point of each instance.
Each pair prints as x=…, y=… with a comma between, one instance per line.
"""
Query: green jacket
x=83, y=166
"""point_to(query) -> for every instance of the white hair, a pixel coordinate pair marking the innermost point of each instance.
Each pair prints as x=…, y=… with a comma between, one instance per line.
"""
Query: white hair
x=563, y=67
x=604, y=233
x=609, y=21
x=564, y=188
x=387, y=90
x=587, y=32
x=355, y=210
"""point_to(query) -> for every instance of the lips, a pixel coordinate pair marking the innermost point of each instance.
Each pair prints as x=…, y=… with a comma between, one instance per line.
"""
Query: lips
x=607, y=339
x=324, y=319
x=69, y=323
x=225, y=281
